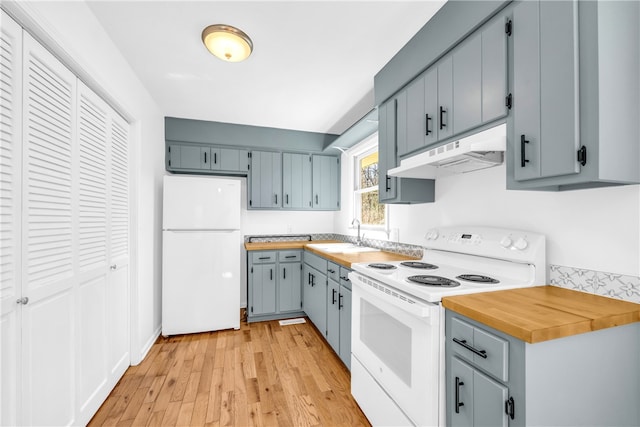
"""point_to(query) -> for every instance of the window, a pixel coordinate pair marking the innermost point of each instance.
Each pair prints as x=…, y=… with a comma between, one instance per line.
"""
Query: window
x=366, y=202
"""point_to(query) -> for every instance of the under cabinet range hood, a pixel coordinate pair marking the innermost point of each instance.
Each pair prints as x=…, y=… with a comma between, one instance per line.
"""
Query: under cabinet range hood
x=478, y=151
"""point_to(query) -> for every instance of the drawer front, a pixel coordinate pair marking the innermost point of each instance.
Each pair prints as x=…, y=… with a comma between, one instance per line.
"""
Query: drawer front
x=290, y=256
x=472, y=344
x=333, y=271
x=344, y=277
x=316, y=262
x=263, y=257
x=497, y=350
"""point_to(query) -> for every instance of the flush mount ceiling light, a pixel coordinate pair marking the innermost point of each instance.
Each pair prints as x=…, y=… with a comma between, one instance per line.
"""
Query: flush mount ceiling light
x=227, y=43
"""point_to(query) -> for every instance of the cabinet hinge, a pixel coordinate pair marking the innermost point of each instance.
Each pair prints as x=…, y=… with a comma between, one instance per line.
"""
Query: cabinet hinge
x=169, y=148
x=249, y=154
x=582, y=155
x=252, y=309
x=508, y=27
x=508, y=101
x=169, y=162
x=251, y=270
x=510, y=408
x=250, y=204
x=300, y=304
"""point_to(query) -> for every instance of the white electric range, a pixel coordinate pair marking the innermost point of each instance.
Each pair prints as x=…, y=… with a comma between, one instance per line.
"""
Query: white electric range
x=397, y=359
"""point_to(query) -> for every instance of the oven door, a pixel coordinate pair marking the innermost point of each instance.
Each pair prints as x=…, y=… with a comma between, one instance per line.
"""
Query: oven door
x=398, y=340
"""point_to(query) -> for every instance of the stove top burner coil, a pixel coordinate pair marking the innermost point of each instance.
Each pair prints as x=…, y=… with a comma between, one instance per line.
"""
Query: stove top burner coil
x=382, y=266
x=477, y=278
x=434, y=281
x=419, y=264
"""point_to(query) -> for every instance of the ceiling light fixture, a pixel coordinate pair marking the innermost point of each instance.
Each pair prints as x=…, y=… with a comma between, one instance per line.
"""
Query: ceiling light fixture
x=227, y=43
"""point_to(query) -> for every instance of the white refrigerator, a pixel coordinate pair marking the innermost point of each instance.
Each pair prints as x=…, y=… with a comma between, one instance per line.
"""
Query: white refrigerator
x=201, y=251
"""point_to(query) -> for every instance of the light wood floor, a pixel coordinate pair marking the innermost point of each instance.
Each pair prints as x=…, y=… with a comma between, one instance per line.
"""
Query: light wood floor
x=263, y=374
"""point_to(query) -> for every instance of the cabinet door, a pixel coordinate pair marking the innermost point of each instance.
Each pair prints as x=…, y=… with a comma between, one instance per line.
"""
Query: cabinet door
x=326, y=181
x=333, y=316
x=489, y=399
x=387, y=148
x=263, y=289
x=211, y=158
x=494, y=70
x=415, y=118
x=467, y=84
x=344, y=304
x=10, y=218
x=431, y=106
x=48, y=243
x=296, y=181
x=545, y=80
x=231, y=159
x=192, y=157
x=290, y=286
x=266, y=180
x=460, y=394
x=315, y=297
x=445, y=116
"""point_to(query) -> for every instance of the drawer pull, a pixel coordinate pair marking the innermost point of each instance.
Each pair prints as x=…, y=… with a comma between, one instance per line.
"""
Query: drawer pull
x=481, y=353
x=265, y=257
x=291, y=256
x=331, y=271
x=458, y=403
x=510, y=408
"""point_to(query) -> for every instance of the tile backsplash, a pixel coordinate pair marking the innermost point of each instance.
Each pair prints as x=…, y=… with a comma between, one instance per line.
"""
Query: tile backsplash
x=612, y=285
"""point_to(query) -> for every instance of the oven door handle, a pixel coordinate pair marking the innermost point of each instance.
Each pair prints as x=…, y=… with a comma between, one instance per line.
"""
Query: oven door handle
x=396, y=298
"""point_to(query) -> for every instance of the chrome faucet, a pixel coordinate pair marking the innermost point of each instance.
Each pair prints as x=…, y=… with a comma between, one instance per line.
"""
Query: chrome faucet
x=357, y=222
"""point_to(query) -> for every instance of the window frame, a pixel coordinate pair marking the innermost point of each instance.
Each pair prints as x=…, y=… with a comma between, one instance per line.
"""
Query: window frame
x=368, y=148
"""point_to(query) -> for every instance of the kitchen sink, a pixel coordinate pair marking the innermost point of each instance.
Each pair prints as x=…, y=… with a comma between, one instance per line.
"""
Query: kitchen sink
x=345, y=248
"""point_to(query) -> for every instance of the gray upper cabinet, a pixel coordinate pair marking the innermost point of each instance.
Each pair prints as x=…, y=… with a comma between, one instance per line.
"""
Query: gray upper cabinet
x=206, y=159
x=326, y=182
x=265, y=190
x=467, y=84
x=545, y=74
x=494, y=69
x=444, y=115
x=392, y=133
x=296, y=181
x=575, y=98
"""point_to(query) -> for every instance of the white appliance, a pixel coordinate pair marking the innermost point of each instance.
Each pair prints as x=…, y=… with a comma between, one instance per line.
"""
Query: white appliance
x=478, y=151
x=397, y=348
x=201, y=249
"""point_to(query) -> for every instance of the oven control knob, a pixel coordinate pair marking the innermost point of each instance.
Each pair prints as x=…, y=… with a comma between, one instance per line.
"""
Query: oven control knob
x=432, y=235
x=521, y=244
x=506, y=242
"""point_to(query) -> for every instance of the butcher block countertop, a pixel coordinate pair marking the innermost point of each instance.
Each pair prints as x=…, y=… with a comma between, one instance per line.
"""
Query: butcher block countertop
x=543, y=313
x=344, y=259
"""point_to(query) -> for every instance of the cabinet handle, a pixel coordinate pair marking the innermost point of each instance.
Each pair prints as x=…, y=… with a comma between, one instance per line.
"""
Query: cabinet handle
x=205, y=157
x=276, y=196
x=426, y=125
x=264, y=257
x=481, y=353
x=291, y=256
x=23, y=300
x=458, y=403
x=287, y=198
x=442, y=124
x=284, y=273
x=510, y=408
x=271, y=274
x=387, y=185
x=316, y=199
x=523, y=157
x=309, y=279
x=340, y=305
x=345, y=278
x=333, y=297
x=215, y=158
x=330, y=270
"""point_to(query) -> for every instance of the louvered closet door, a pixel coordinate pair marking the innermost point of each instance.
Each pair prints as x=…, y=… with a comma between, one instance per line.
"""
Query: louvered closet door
x=93, y=129
x=48, y=242
x=118, y=286
x=10, y=177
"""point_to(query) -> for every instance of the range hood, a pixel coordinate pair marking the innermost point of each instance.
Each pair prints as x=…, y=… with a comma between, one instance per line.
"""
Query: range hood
x=478, y=151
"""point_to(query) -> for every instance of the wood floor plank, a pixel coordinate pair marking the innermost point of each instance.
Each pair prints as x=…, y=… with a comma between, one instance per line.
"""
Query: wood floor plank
x=264, y=374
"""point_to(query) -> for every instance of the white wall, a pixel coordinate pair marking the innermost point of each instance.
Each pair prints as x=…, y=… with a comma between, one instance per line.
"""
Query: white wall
x=595, y=229
x=71, y=31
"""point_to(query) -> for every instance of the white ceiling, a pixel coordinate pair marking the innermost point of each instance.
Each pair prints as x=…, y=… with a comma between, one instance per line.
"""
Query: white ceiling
x=312, y=66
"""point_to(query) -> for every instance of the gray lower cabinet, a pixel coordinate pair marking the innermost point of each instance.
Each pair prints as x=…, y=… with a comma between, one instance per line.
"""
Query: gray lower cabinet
x=296, y=181
x=326, y=182
x=314, y=296
x=574, y=111
x=392, y=130
x=495, y=379
x=206, y=159
x=265, y=179
x=274, y=285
